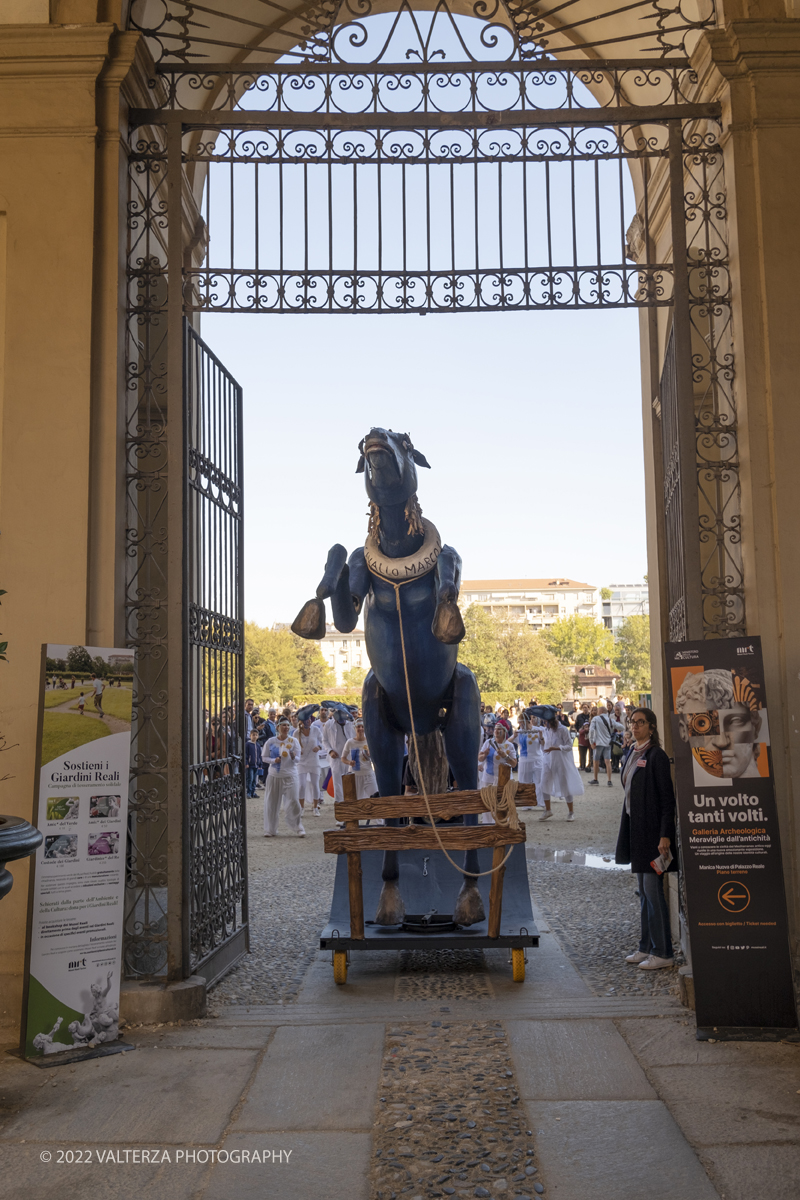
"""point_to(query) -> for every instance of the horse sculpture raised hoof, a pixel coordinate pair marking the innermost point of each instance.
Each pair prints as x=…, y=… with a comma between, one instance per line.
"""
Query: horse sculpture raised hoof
x=448, y=624
x=403, y=568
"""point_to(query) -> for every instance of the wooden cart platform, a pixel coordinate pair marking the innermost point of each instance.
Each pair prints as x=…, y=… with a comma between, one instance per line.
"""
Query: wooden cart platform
x=427, y=880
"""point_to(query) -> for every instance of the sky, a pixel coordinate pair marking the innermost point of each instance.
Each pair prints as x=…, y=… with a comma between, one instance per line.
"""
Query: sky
x=531, y=423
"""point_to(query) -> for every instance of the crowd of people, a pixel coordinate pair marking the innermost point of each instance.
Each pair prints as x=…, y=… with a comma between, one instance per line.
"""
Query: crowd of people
x=298, y=756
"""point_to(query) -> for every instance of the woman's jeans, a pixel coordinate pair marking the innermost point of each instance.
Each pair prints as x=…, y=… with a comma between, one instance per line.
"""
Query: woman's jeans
x=656, y=937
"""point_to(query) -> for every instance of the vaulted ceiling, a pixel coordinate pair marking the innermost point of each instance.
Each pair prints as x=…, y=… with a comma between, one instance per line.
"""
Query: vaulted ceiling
x=251, y=32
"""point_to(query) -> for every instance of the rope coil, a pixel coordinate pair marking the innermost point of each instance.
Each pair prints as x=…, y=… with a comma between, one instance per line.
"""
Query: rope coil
x=504, y=811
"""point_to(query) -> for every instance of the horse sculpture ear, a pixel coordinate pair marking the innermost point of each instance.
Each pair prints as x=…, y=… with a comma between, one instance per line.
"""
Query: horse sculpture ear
x=420, y=459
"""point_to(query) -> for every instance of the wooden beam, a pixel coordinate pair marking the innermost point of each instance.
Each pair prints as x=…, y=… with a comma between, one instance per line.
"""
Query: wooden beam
x=420, y=837
x=443, y=805
x=354, y=878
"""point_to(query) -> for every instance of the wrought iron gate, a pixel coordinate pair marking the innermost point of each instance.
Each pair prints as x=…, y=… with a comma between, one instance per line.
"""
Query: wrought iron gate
x=215, y=851
x=409, y=182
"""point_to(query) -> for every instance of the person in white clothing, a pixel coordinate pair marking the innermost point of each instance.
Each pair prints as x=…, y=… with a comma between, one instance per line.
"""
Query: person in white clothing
x=530, y=752
x=283, y=786
x=324, y=760
x=494, y=752
x=337, y=732
x=356, y=756
x=559, y=774
x=308, y=767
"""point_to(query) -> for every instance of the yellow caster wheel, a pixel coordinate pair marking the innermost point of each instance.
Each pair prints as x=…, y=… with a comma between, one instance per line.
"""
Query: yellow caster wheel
x=518, y=965
x=340, y=966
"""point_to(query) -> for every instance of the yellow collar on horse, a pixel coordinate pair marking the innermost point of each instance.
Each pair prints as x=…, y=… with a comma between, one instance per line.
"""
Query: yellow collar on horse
x=413, y=566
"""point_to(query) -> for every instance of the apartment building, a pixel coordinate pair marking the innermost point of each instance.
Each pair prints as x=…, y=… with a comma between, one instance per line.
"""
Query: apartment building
x=626, y=600
x=540, y=602
x=343, y=651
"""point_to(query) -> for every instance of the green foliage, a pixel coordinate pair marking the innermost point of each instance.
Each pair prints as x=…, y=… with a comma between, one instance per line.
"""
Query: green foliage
x=509, y=660
x=79, y=660
x=278, y=664
x=482, y=651
x=337, y=694
x=632, y=658
x=354, y=677
x=578, y=639
x=315, y=673
x=605, y=593
x=534, y=670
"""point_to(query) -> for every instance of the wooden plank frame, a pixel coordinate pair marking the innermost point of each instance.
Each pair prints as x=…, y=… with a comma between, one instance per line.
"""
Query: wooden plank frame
x=354, y=838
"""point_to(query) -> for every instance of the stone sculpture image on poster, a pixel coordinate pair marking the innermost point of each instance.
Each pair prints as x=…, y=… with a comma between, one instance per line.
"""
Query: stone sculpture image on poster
x=75, y=924
x=730, y=840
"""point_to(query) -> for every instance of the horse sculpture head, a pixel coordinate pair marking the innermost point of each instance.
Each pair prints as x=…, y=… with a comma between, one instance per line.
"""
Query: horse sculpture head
x=390, y=462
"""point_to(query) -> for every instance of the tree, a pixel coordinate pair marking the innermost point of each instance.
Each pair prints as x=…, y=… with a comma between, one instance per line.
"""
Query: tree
x=605, y=593
x=354, y=677
x=482, y=650
x=271, y=667
x=533, y=669
x=79, y=661
x=632, y=658
x=578, y=639
x=317, y=676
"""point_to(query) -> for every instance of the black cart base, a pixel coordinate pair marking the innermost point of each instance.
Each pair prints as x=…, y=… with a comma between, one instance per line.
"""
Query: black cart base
x=427, y=882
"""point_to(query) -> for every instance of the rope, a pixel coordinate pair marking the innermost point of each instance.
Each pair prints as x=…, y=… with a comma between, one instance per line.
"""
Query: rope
x=504, y=809
x=507, y=800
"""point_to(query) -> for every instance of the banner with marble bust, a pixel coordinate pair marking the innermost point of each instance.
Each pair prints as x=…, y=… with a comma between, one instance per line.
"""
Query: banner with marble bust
x=75, y=920
x=730, y=840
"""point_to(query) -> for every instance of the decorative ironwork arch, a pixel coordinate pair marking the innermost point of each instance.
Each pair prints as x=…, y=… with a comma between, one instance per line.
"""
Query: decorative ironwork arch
x=228, y=30
x=317, y=145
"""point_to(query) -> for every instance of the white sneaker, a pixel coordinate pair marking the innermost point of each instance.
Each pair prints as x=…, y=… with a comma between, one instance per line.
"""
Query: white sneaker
x=653, y=963
x=547, y=815
x=636, y=957
x=571, y=816
x=301, y=832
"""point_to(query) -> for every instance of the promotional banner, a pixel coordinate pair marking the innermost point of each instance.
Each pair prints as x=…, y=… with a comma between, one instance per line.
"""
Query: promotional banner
x=730, y=840
x=76, y=914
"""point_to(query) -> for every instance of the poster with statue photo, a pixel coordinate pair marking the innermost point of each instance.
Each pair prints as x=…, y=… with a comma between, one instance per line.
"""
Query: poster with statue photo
x=730, y=838
x=74, y=958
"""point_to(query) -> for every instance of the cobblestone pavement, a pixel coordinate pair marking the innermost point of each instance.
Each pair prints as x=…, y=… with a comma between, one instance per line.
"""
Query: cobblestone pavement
x=449, y=1119
x=291, y=884
x=593, y=912
x=595, y=916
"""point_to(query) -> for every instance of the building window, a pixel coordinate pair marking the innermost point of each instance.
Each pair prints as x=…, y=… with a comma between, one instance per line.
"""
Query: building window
x=551, y=608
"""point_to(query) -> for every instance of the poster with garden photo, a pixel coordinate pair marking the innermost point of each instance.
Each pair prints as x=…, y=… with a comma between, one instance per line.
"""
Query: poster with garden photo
x=75, y=941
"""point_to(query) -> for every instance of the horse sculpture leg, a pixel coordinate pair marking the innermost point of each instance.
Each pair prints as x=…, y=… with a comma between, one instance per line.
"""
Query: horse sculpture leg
x=462, y=740
x=386, y=745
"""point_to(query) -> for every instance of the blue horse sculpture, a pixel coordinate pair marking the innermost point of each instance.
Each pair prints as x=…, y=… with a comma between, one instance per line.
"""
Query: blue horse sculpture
x=403, y=560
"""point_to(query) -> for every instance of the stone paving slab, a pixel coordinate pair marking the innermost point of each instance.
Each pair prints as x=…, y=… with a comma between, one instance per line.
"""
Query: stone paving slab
x=358, y=1012
x=739, y=1174
x=35, y=1180
x=673, y=1043
x=622, y=1150
x=575, y=1060
x=329, y=1165
x=316, y=1077
x=148, y=1096
x=211, y=1034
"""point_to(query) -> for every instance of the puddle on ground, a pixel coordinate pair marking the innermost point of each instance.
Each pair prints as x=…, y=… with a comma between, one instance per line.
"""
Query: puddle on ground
x=574, y=858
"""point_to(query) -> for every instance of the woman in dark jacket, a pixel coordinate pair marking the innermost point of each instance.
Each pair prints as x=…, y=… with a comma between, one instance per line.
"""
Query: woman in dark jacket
x=646, y=831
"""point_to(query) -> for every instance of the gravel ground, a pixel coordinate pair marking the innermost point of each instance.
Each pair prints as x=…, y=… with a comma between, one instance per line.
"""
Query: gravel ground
x=291, y=884
x=449, y=1120
x=595, y=916
x=593, y=912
